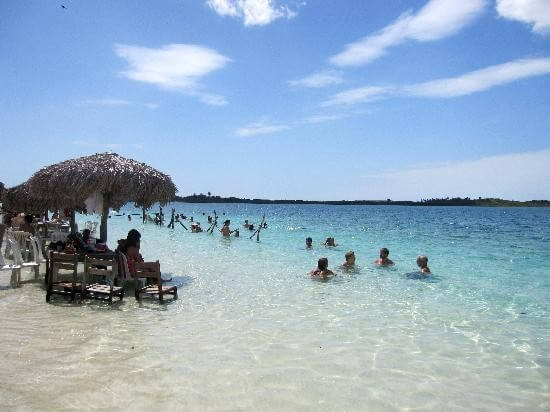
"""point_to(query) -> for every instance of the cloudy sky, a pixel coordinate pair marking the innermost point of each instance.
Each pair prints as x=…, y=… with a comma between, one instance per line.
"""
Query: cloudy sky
x=351, y=99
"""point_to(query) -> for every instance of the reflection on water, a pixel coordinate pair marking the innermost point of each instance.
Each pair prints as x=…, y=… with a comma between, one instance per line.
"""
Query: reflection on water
x=251, y=328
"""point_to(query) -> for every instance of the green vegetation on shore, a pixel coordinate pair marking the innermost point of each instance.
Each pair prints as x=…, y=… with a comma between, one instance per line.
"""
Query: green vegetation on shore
x=455, y=201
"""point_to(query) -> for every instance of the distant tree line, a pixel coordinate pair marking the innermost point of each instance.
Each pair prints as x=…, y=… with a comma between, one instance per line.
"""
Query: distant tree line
x=455, y=201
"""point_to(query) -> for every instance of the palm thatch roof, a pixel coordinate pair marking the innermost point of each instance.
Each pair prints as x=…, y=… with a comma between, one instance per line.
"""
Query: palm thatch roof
x=19, y=198
x=124, y=180
x=118, y=179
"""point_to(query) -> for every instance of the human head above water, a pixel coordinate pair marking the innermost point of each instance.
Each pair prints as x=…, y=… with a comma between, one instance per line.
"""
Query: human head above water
x=350, y=256
x=384, y=252
x=133, y=235
x=422, y=261
x=309, y=241
x=322, y=264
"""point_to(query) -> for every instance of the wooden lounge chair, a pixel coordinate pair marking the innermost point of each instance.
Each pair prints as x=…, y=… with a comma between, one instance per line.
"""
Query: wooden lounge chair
x=151, y=270
x=63, y=261
x=108, y=268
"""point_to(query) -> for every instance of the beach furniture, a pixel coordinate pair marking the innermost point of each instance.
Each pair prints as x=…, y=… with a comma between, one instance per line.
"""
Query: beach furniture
x=57, y=286
x=38, y=256
x=13, y=268
x=123, y=271
x=151, y=271
x=91, y=226
x=106, y=268
x=18, y=258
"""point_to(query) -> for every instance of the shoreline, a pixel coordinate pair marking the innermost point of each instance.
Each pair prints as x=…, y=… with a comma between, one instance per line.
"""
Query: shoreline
x=481, y=202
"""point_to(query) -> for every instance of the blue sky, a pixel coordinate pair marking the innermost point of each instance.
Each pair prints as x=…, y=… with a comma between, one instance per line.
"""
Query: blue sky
x=285, y=99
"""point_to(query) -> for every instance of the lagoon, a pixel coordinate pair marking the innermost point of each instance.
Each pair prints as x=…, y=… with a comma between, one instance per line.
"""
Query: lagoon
x=251, y=330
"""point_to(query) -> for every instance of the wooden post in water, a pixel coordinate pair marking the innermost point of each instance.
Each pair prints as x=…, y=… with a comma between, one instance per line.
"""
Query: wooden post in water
x=143, y=214
x=257, y=232
x=161, y=215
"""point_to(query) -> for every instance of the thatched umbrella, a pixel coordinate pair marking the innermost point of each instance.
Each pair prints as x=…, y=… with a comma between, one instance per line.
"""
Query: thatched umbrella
x=18, y=198
x=117, y=179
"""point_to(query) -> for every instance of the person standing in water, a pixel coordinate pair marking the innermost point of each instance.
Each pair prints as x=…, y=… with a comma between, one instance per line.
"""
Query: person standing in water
x=384, y=260
x=225, y=230
x=350, y=260
x=322, y=271
x=422, y=262
x=309, y=243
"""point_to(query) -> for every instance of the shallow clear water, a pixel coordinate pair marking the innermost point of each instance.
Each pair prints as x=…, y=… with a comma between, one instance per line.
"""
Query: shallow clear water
x=251, y=330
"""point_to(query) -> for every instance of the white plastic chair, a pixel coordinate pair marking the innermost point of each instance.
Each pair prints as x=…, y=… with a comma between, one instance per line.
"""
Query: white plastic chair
x=20, y=262
x=14, y=269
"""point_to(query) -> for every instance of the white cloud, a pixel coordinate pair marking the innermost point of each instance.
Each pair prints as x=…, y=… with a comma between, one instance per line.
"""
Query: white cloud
x=174, y=66
x=358, y=95
x=436, y=20
x=107, y=102
x=480, y=80
x=261, y=127
x=519, y=176
x=253, y=12
x=535, y=12
x=317, y=80
x=151, y=106
x=212, y=99
x=468, y=83
x=323, y=118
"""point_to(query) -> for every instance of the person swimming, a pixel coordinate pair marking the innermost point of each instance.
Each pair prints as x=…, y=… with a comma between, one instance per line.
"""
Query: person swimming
x=309, y=243
x=422, y=262
x=322, y=271
x=330, y=242
x=384, y=260
x=350, y=260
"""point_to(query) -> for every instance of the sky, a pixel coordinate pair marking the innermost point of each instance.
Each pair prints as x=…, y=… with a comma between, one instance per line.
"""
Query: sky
x=285, y=99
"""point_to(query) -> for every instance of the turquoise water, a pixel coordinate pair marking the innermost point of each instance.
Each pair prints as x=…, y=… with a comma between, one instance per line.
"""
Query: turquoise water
x=251, y=330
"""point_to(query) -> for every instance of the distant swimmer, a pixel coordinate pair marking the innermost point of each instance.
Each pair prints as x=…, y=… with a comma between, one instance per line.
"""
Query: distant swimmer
x=322, y=271
x=246, y=224
x=330, y=242
x=350, y=260
x=225, y=230
x=236, y=233
x=384, y=260
x=422, y=262
x=196, y=227
x=309, y=243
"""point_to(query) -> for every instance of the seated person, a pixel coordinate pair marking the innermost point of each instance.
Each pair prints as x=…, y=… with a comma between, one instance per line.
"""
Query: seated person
x=330, y=242
x=322, y=271
x=422, y=262
x=350, y=260
x=86, y=235
x=27, y=225
x=384, y=260
x=309, y=243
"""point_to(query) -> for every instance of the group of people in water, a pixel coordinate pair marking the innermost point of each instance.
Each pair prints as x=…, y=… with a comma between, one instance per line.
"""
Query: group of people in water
x=322, y=271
